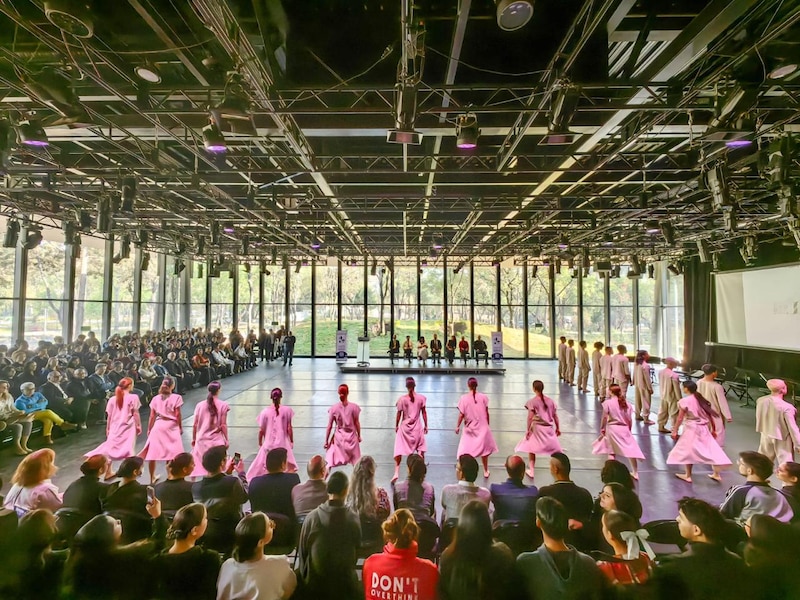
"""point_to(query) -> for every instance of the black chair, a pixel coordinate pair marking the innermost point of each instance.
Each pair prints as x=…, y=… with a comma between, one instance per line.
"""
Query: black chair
x=428, y=535
x=69, y=521
x=482, y=353
x=665, y=531
x=284, y=536
x=135, y=527
x=520, y=537
x=446, y=536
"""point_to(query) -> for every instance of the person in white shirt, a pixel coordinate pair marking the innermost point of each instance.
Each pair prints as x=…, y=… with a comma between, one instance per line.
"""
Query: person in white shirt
x=776, y=421
x=222, y=361
x=643, y=386
x=251, y=575
x=669, y=386
x=583, y=367
x=606, y=371
x=620, y=372
x=597, y=376
x=569, y=371
x=562, y=359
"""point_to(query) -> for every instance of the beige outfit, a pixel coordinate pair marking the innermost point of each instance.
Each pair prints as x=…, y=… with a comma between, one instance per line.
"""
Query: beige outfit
x=643, y=388
x=776, y=421
x=605, y=372
x=715, y=394
x=583, y=369
x=569, y=373
x=620, y=372
x=562, y=361
x=597, y=376
x=670, y=389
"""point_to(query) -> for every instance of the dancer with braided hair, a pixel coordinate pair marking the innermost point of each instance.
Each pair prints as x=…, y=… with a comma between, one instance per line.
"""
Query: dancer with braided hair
x=210, y=426
x=274, y=431
x=344, y=448
x=543, y=429
x=410, y=432
x=473, y=411
x=615, y=430
x=122, y=427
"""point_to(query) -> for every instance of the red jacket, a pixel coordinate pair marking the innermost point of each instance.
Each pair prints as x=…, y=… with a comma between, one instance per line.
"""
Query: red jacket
x=398, y=574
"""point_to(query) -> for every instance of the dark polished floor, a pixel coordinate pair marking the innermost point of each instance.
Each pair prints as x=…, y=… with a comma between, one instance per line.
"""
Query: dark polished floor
x=310, y=388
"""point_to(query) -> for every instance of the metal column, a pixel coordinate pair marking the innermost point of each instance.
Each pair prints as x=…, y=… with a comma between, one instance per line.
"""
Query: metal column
x=136, y=313
x=20, y=291
x=108, y=275
x=71, y=252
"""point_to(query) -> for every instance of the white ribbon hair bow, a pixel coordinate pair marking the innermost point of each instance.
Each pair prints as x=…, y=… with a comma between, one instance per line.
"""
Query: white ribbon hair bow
x=637, y=540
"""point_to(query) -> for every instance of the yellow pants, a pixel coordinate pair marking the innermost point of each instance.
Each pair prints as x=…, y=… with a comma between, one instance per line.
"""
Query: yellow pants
x=48, y=418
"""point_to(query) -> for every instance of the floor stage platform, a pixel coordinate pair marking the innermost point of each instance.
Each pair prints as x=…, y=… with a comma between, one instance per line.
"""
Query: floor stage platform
x=403, y=368
x=310, y=389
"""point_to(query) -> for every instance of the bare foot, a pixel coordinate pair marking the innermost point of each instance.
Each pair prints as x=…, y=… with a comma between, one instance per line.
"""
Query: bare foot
x=635, y=476
x=394, y=477
x=684, y=476
x=486, y=474
x=529, y=473
x=155, y=479
x=714, y=476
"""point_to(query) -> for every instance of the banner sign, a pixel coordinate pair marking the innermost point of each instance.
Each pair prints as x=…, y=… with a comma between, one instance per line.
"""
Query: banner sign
x=341, y=345
x=497, y=346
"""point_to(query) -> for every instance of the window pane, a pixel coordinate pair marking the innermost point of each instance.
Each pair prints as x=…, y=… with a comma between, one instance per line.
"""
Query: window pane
x=539, y=326
x=566, y=301
x=300, y=310
x=485, y=282
x=594, y=318
x=458, y=301
x=248, y=298
x=147, y=318
x=222, y=317
x=326, y=310
x=379, y=310
x=150, y=281
x=42, y=320
x=122, y=317
x=222, y=288
x=197, y=284
x=647, y=288
x=674, y=317
x=6, y=294
x=88, y=317
x=513, y=321
x=6, y=311
x=45, y=282
x=274, y=299
x=405, y=308
x=122, y=280
x=432, y=298
x=621, y=299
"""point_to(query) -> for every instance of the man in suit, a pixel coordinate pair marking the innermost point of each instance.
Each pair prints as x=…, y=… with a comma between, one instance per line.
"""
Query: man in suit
x=309, y=495
x=479, y=348
x=65, y=406
x=456, y=495
x=576, y=500
x=288, y=348
x=100, y=383
x=512, y=499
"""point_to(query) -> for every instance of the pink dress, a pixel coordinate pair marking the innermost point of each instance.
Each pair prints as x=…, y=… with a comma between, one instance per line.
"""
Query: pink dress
x=164, y=441
x=345, y=448
x=275, y=425
x=618, y=439
x=208, y=432
x=477, y=439
x=696, y=444
x=542, y=438
x=410, y=436
x=121, y=437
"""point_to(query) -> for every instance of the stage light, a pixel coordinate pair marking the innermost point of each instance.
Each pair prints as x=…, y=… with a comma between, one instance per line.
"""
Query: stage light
x=608, y=240
x=374, y=270
x=125, y=246
x=513, y=14
x=651, y=271
x=571, y=262
x=297, y=266
x=749, y=249
x=144, y=237
x=148, y=72
x=145, y=263
x=717, y=180
x=739, y=143
x=652, y=227
x=245, y=245
x=558, y=265
x=228, y=227
x=316, y=244
x=467, y=131
x=104, y=220
x=635, y=265
x=201, y=245
x=274, y=256
x=534, y=271
x=12, y=234
x=199, y=270
x=729, y=219
x=70, y=16
x=782, y=70
x=128, y=192
x=215, y=233
x=562, y=109
x=563, y=242
x=213, y=140
x=246, y=267
x=405, y=111
x=674, y=269
x=32, y=134
x=668, y=231
x=704, y=250
x=178, y=267
x=285, y=263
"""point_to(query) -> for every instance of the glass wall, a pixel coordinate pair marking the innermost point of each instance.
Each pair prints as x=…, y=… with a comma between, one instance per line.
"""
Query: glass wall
x=513, y=308
x=274, y=305
x=594, y=312
x=647, y=316
x=222, y=301
x=326, y=310
x=674, y=318
x=248, y=299
x=300, y=309
x=539, y=326
x=89, y=290
x=458, y=303
x=485, y=301
x=122, y=293
x=405, y=303
x=172, y=292
x=379, y=309
x=431, y=295
x=566, y=301
x=6, y=294
x=44, y=292
x=197, y=295
x=151, y=282
x=621, y=315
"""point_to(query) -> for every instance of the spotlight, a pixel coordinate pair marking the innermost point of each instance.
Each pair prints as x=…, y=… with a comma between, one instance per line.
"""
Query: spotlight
x=213, y=140
x=201, y=245
x=782, y=70
x=608, y=239
x=636, y=265
x=104, y=220
x=84, y=220
x=128, y=195
x=651, y=271
x=316, y=244
x=715, y=262
x=704, y=250
x=729, y=219
x=674, y=269
x=285, y=263
x=513, y=14
x=274, y=256
x=245, y=245
x=228, y=227
x=571, y=262
x=33, y=238
x=297, y=266
x=178, y=267
x=652, y=227
x=148, y=72
x=405, y=110
x=374, y=270
x=125, y=246
x=144, y=237
x=749, y=250
x=12, y=234
x=215, y=233
x=558, y=265
x=534, y=271
x=70, y=16
x=32, y=134
x=467, y=131
x=668, y=231
x=717, y=180
x=145, y=263
x=563, y=242
x=562, y=109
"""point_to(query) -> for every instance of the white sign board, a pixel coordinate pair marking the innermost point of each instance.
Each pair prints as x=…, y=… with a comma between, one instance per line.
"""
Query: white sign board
x=341, y=345
x=497, y=346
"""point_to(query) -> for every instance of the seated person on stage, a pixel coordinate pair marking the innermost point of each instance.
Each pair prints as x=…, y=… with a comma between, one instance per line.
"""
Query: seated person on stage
x=408, y=348
x=436, y=349
x=450, y=349
x=394, y=347
x=422, y=349
x=512, y=499
x=479, y=347
x=463, y=348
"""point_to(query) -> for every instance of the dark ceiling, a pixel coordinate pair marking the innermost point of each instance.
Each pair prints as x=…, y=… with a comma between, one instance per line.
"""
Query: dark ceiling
x=653, y=83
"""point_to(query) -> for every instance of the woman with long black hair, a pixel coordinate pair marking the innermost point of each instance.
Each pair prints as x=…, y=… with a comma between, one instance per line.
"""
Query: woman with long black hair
x=697, y=444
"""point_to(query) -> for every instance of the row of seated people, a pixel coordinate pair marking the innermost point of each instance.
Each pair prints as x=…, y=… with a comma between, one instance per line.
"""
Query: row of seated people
x=59, y=385
x=434, y=350
x=334, y=522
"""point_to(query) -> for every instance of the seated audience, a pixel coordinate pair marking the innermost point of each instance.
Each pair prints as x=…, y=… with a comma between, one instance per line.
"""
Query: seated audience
x=309, y=495
x=455, y=496
x=629, y=565
x=33, y=403
x=706, y=571
x=397, y=568
x=65, y=406
x=473, y=566
x=415, y=494
x=369, y=502
x=576, y=500
x=126, y=500
x=328, y=547
x=18, y=420
x=85, y=493
x=31, y=569
x=755, y=496
x=272, y=493
x=512, y=499
x=32, y=487
x=772, y=553
x=615, y=496
x=555, y=569
x=175, y=492
x=223, y=496
x=187, y=571
x=789, y=475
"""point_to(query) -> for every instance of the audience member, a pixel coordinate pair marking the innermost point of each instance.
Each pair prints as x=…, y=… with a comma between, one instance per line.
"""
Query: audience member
x=176, y=492
x=272, y=494
x=474, y=567
x=34, y=403
x=776, y=422
x=364, y=498
x=629, y=565
x=789, y=474
x=555, y=569
x=309, y=495
x=32, y=570
x=576, y=500
x=328, y=547
x=415, y=494
x=85, y=493
x=616, y=496
x=397, y=569
x=771, y=553
x=18, y=420
x=755, y=496
x=32, y=487
x=127, y=500
x=512, y=499
x=456, y=495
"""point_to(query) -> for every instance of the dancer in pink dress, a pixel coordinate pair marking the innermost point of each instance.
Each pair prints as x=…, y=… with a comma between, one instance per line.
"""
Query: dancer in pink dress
x=122, y=426
x=164, y=428
x=543, y=429
x=615, y=430
x=343, y=448
x=473, y=411
x=210, y=427
x=274, y=431
x=410, y=432
x=697, y=443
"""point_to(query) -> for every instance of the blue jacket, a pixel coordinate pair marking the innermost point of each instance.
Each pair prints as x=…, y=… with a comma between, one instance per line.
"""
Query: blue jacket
x=31, y=404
